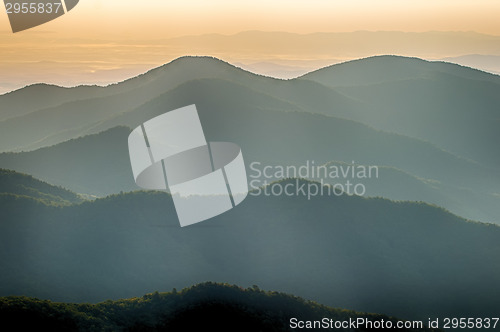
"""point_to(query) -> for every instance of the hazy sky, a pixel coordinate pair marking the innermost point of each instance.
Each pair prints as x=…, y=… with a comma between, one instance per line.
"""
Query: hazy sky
x=175, y=18
x=107, y=40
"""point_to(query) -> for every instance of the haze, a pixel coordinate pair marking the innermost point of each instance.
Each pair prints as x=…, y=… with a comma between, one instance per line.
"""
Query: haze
x=100, y=42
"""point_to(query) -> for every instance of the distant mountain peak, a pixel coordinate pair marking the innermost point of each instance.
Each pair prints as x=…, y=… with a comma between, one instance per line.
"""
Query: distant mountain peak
x=385, y=68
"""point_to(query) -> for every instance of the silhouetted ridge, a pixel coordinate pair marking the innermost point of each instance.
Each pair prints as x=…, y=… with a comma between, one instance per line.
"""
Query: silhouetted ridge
x=207, y=306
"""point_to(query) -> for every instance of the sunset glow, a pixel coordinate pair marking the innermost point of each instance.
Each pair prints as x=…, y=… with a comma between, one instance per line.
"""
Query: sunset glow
x=105, y=41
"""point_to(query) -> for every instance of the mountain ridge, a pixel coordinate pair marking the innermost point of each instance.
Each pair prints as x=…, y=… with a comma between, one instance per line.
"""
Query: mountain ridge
x=23, y=185
x=434, y=126
x=125, y=244
x=207, y=305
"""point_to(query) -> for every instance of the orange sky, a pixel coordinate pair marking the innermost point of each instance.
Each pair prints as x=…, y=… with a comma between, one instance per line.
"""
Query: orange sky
x=101, y=40
x=160, y=18
x=175, y=18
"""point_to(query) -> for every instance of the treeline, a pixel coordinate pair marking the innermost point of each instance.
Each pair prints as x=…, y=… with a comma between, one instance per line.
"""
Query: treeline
x=409, y=260
x=203, y=307
x=17, y=184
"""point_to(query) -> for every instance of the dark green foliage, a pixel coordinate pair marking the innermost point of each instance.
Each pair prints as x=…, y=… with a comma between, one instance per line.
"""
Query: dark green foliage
x=17, y=184
x=207, y=306
x=410, y=260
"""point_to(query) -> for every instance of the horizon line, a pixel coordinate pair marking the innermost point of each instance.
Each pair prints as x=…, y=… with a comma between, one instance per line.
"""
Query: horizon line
x=237, y=66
